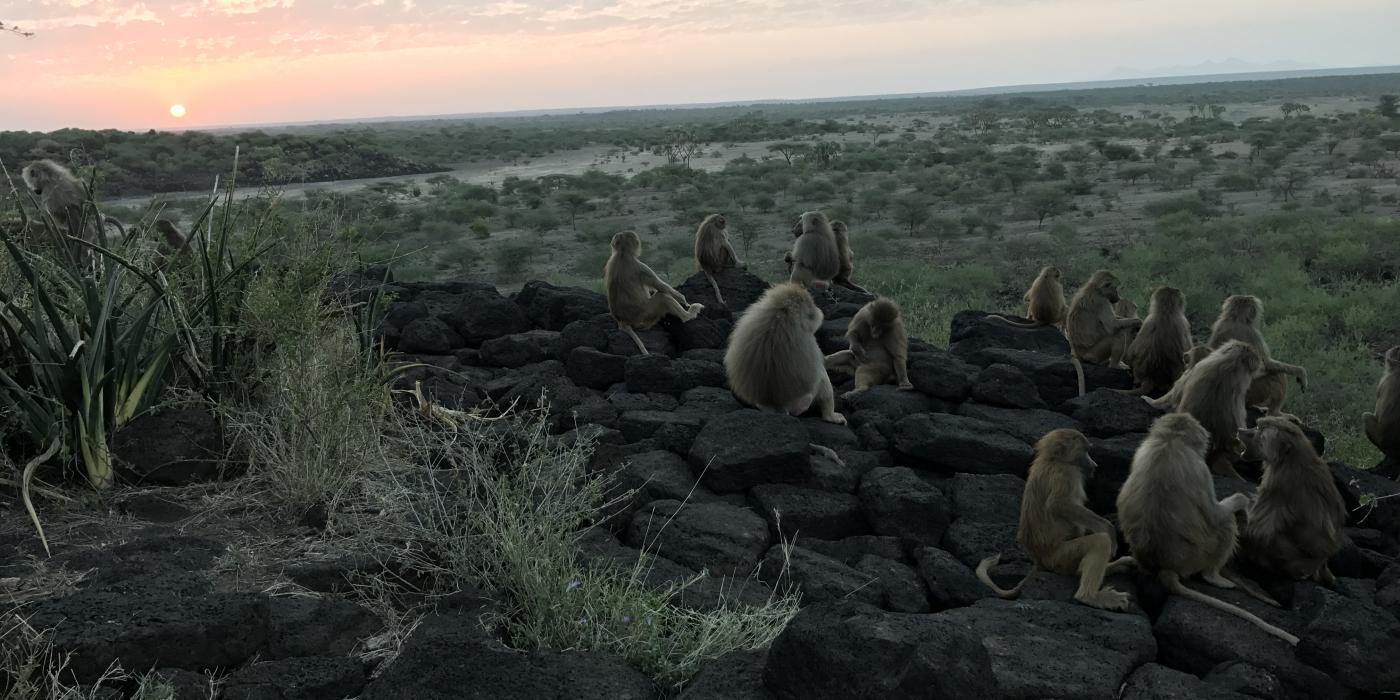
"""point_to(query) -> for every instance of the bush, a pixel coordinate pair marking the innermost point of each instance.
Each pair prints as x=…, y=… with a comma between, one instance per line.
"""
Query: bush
x=512, y=257
x=480, y=229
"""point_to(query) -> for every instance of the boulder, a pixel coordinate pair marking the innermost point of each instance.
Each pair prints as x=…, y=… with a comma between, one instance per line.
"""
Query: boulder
x=520, y=349
x=941, y=375
x=851, y=550
x=738, y=450
x=722, y=538
x=901, y=589
x=1028, y=425
x=552, y=308
x=971, y=542
x=1054, y=375
x=480, y=315
x=313, y=678
x=1354, y=642
x=673, y=429
x=972, y=331
x=171, y=446
x=889, y=402
x=739, y=287
x=1004, y=385
x=737, y=675
x=663, y=375
x=1381, y=496
x=431, y=335
x=959, y=444
x=986, y=498
x=950, y=583
x=1108, y=413
x=817, y=577
x=299, y=626
x=796, y=512
x=1156, y=682
x=1115, y=458
x=898, y=503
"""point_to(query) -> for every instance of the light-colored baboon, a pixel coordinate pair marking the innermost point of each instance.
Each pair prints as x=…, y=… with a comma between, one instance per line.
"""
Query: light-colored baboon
x=1158, y=354
x=1383, y=426
x=1239, y=320
x=1214, y=394
x=815, y=258
x=879, y=352
x=1096, y=334
x=773, y=361
x=66, y=198
x=637, y=298
x=1295, y=522
x=843, y=250
x=1059, y=533
x=176, y=243
x=1169, y=401
x=1045, y=301
x=713, y=253
x=1171, y=519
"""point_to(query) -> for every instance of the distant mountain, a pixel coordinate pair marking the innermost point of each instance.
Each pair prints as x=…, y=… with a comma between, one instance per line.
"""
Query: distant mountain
x=1204, y=68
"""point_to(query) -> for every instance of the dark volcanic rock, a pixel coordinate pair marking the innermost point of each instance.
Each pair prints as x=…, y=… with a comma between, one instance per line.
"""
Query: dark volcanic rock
x=1115, y=458
x=901, y=589
x=739, y=287
x=850, y=550
x=1383, y=508
x=1004, y=385
x=950, y=582
x=793, y=511
x=959, y=444
x=519, y=349
x=1107, y=413
x=818, y=577
x=722, y=538
x=744, y=448
x=552, y=307
x=1354, y=642
x=1029, y=425
x=700, y=333
x=429, y=335
x=889, y=402
x=1054, y=375
x=737, y=675
x=672, y=427
x=172, y=446
x=972, y=331
x=300, y=626
x=941, y=375
x=482, y=668
x=1154, y=682
x=987, y=498
x=849, y=651
x=971, y=542
x=660, y=475
x=663, y=375
x=315, y=678
x=484, y=314
x=900, y=504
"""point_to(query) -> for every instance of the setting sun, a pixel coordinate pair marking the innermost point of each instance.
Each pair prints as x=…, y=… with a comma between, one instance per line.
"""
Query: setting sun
x=177, y=111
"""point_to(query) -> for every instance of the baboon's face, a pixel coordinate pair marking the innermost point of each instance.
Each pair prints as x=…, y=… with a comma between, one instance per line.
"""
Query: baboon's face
x=31, y=179
x=1051, y=272
x=1108, y=288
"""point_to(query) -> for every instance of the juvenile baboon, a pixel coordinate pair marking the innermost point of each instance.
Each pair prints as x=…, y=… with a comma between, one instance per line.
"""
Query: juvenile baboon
x=1096, y=335
x=637, y=298
x=1157, y=355
x=65, y=197
x=1170, y=400
x=1239, y=320
x=1171, y=520
x=1295, y=522
x=1059, y=533
x=713, y=253
x=1125, y=308
x=879, y=351
x=815, y=258
x=843, y=250
x=176, y=243
x=1214, y=395
x=1045, y=301
x=1383, y=426
x=773, y=361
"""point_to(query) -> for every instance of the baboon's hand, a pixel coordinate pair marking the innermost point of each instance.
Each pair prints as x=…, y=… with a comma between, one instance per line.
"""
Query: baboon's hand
x=906, y=386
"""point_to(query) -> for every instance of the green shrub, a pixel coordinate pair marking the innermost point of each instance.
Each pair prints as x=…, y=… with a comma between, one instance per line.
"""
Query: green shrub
x=512, y=257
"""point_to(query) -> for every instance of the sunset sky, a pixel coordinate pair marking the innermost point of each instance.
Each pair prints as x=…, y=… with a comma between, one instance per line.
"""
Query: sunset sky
x=118, y=63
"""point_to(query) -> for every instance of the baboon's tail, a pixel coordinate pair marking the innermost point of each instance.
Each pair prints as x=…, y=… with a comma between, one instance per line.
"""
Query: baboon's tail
x=1079, y=371
x=715, y=285
x=852, y=286
x=984, y=573
x=1174, y=584
x=1013, y=323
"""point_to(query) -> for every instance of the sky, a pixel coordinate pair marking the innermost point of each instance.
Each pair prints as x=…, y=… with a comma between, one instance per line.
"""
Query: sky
x=122, y=64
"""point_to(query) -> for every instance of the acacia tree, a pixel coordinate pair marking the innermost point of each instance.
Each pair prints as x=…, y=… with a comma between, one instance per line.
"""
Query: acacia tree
x=912, y=210
x=1389, y=106
x=1045, y=201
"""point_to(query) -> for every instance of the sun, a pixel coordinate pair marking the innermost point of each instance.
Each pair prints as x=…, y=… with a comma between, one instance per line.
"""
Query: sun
x=177, y=111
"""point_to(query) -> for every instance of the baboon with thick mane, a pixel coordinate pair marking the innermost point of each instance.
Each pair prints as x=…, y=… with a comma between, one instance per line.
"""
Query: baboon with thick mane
x=1045, y=301
x=1295, y=523
x=66, y=198
x=815, y=257
x=1058, y=531
x=1383, y=426
x=1157, y=356
x=637, y=298
x=1214, y=395
x=1170, y=517
x=773, y=361
x=713, y=252
x=1095, y=333
x=1239, y=320
x=879, y=347
x=843, y=250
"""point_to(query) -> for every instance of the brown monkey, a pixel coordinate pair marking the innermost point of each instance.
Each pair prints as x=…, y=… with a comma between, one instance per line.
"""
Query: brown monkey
x=1059, y=533
x=637, y=298
x=713, y=253
x=1095, y=333
x=879, y=350
x=1169, y=401
x=773, y=360
x=843, y=249
x=815, y=258
x=1157, y=355
x=1045, y=301
x=1383, y=426
x=1125, y=308
x=1171, y=520
x=65, y=197
x=1215, y=394
x=1295, y=523
x=1239, y=320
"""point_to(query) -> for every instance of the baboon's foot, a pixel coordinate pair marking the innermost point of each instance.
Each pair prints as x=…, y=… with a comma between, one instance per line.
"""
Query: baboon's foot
x=907, y=386
x=1215, y=579
x=1106, y=598
x=836, y=418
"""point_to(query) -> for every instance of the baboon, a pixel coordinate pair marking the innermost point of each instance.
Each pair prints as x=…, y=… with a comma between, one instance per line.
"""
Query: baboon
x=879, y=351
x=1295, y=523
x=1125, y=308
x=1059, y=533
x=1157, y=355
x=176, y=243
x=1095, y=333
x=773, y=361
x=843, y=250
x=815, y=259
x=1239, y=320
x=1171, y=520
x=1045, y=301
x=713, y=253
x=1383, y=426
x=1169, y=401
x=1214, y=395
x=65, y=197
x=637, y=298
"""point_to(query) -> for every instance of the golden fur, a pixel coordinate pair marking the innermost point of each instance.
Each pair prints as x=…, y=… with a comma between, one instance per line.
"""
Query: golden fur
x=1239, y=320
x=1295, y=522
x=843, y=250
x=773, y=361
x=1215, y=395
x=1157, y=356
x=1045, y=301
x=1383, y=426
x=815, y=258
x=1096, y=334
x=713, y=252
x=637, y=298
x=879, y=347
